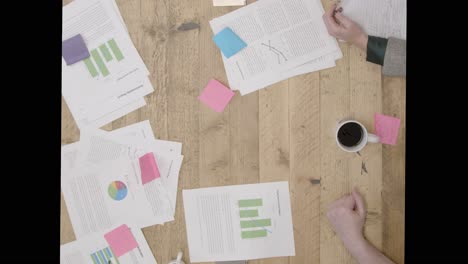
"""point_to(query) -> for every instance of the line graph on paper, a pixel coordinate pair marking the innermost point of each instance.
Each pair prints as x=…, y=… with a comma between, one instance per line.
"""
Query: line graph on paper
x=277, y=52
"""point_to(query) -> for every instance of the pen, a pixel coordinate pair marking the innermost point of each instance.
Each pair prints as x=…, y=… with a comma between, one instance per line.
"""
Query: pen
x=338, y=10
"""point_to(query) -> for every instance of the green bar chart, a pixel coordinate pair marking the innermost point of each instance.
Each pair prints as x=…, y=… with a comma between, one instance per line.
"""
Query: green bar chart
x=253, y=234
x=104, y=256
x=250, y=202
x=97, y=63
x=105, y=52
x=250, y=219
x=248, y=213
x=255, y=223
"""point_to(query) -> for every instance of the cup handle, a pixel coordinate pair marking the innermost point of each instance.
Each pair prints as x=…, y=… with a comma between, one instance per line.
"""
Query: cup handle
x=371, y=138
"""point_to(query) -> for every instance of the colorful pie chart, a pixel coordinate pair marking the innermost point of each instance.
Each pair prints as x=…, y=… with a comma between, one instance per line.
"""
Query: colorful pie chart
x=117, y=190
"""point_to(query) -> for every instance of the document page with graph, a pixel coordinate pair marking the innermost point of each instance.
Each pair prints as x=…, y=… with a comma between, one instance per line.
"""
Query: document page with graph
x=228, y=223
x=128, y=247
x=281, y=35
x=114, y=75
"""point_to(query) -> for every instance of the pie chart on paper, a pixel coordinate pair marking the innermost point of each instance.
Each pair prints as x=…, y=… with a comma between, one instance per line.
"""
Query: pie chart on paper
x=117, y=190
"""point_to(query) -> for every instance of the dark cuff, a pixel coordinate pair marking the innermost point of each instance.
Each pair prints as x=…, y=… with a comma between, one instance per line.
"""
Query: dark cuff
x=376, y=48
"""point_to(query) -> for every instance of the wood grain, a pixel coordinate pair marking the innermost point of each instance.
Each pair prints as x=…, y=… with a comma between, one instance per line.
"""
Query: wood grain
x=282, y=133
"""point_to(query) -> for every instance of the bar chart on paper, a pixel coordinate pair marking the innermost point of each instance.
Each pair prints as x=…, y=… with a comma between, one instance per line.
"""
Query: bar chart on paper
x=104, y=256
x=98, y=63
x=252, y=223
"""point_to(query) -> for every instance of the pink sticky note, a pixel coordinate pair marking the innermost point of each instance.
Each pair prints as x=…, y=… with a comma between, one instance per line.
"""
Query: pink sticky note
x=121, y=240
x=148, y=167
x=216, y=96
x=387, y=127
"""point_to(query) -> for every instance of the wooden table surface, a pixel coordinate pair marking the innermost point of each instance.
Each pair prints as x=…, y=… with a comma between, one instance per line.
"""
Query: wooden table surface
x=281, y=133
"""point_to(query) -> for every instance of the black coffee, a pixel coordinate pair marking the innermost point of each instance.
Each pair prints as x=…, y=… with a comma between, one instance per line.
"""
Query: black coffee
x=350, y=134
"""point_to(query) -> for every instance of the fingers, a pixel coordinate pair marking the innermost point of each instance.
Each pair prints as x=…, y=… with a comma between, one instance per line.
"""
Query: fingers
x=360, y=205
x=349, y=202
x=330, y=22
x=331, y=12
x=345, y=201
x=344, y=20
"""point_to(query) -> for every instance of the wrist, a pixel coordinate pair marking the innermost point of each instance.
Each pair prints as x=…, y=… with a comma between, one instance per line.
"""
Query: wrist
x=357, y=246
x=361, y=41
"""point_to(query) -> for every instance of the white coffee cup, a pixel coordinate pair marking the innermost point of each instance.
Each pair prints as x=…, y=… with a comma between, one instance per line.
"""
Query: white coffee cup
x=359, y=145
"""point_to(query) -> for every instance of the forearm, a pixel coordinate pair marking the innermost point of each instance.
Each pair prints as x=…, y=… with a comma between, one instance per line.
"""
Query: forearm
x=365, y=253
x=390, y=53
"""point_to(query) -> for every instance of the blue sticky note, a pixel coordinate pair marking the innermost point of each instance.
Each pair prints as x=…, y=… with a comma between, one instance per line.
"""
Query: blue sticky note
x=74, y=49
x=229, y=42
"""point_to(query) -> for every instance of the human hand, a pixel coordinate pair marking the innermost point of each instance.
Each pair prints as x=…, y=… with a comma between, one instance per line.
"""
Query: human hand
x=347, y=217
x=341, y=27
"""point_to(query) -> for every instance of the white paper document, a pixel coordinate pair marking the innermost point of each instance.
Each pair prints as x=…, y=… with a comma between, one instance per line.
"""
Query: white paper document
x=104, y=165
x=381, y=18
x=141, y=132
x=229, y=2
x=239, y=222
x=114, y=79
x=113, y=115
x=284, y=38
x=94, y=249
x=98, y=198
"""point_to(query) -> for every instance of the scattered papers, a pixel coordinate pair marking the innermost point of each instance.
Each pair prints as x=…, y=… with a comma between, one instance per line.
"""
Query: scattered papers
x=381, y=18
x=94, y=249
x=229, y=2
x=74, y=50
x=216, y=96
x=228, y=42
x=387, y=127
x=114, y=79
x=239, y=222
x=284, y=38
x=102, y=182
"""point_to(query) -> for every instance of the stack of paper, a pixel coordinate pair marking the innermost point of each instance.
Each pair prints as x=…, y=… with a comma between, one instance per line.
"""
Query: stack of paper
x=102, y=179
x=381, y=18
x=119, y=245
x=284, y=38
x=113, y=81
x=229, y=223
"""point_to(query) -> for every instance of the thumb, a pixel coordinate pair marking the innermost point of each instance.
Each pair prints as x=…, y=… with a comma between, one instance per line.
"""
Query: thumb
x=360, y=205
x=344, y=20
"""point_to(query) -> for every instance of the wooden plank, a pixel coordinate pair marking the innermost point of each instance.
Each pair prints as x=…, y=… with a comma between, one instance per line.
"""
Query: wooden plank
x=334, y=107
x=173, y=60
x=335, y=181
x=152, y=35
x=214, y=127
x=304, y=116
x=244, y=141
x=366, y=169
x=244, y=130
x=274, y=139
x=393, y=192
x=147, y=22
